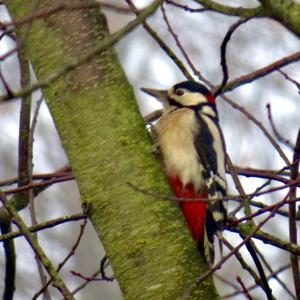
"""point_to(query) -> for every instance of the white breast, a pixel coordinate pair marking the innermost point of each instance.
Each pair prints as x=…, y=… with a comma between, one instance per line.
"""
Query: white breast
x=176, y=131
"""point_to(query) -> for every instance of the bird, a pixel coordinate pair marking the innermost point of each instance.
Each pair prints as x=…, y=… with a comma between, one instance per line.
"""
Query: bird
x=190, y=140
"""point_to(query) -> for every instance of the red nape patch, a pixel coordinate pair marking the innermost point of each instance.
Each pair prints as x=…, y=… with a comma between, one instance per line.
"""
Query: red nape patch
x=194, y=212
x=211, y=99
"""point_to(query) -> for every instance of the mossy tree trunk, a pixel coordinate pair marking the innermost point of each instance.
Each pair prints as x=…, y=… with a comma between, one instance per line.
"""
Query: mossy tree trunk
x=103, y=134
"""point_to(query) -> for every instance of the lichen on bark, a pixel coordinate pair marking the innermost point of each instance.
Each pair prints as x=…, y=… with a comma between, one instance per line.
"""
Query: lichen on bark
x=97, y=118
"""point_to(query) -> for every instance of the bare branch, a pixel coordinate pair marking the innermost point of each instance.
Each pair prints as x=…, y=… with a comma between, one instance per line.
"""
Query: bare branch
x=180, y=46
x=44, y=225
x=260, y=126
x=287, y=77
x=226, y=257
x=292, y=219
x=71, y=253
x=270, y=239
x=16, y=219
x=232, y=11
x=245, y=291
x=272, y=275
x=187, y=8
x=250, y=77
x=103, y=45
x=244, y=264
x=161, y=43
x=44, y=14
x=224, y=44
x=275, y=131
x=103, y=264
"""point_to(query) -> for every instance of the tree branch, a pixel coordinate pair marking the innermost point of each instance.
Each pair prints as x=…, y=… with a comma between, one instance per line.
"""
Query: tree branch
x=44, y=225
x=103, y=45
x=232, y=11
x=224, y=44
x=70, y=254
x=16, y=219
x=250, y=77
x=293, y=213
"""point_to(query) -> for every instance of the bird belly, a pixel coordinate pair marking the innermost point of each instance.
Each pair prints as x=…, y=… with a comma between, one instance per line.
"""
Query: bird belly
x=176, y=142
x=176, y=133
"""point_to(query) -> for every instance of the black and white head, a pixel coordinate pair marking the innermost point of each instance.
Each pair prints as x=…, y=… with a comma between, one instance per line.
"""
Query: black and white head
x=184, y=94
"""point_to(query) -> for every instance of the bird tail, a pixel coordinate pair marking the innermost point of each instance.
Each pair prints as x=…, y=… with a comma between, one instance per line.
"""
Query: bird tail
x=214, y=224
x=204, y=218
x=216, y=216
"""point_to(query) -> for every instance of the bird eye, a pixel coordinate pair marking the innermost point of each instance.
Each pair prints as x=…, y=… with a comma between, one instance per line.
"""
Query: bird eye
x=179, y=92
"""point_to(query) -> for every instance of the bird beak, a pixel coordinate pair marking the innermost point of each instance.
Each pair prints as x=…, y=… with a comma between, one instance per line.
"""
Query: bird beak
x=161, y=95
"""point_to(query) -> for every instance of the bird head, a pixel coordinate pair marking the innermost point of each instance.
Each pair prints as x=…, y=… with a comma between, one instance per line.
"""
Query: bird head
x=183, y=94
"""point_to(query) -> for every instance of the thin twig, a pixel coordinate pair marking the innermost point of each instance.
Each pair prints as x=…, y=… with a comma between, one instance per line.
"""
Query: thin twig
x=263, y=236
x=262, y=72
x=70, y=254
x=37, y=188
x=180, y=46
x=44, y=183
x=187, y=8
x=46, y=13
x=270, y=240
x=245, y=266
x=84, y=284
x=161, y=43
x=238, y=198
x=228, y=282
x=5, y=84
x=257, y=213
x=32, y=210
x=103, y=45
x=292, y=219
x=224, y=44
x=17, y=220
x=275, y=276
x=252, y=287
x=45, y=225
x=245, y=291
x=23, y=177
x=103, y=265
x=104, y=277
x=10, y=264
x=9, y=53
x=66, y=170
x=275, y=131
x=261, y=173
x=287, y=77
x=9, y=32
x=226, y=257
x=260, y=126
x=253, y=251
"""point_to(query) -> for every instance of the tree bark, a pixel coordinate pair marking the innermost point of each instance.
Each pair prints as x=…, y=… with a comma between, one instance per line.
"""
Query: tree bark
x=103, y=134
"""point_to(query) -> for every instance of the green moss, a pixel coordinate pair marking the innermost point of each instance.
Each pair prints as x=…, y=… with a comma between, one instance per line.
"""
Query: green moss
x=246, y=228
x=98, y=120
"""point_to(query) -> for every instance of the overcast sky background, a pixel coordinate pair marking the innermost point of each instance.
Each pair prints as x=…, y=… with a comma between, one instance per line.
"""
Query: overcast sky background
x=254, y=45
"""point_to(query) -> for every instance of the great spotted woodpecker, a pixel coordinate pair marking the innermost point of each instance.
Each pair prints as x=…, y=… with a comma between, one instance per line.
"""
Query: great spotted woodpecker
x=193, y=150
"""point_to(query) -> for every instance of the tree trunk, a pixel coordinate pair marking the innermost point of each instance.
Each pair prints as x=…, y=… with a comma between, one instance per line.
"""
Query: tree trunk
x=103, y=134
